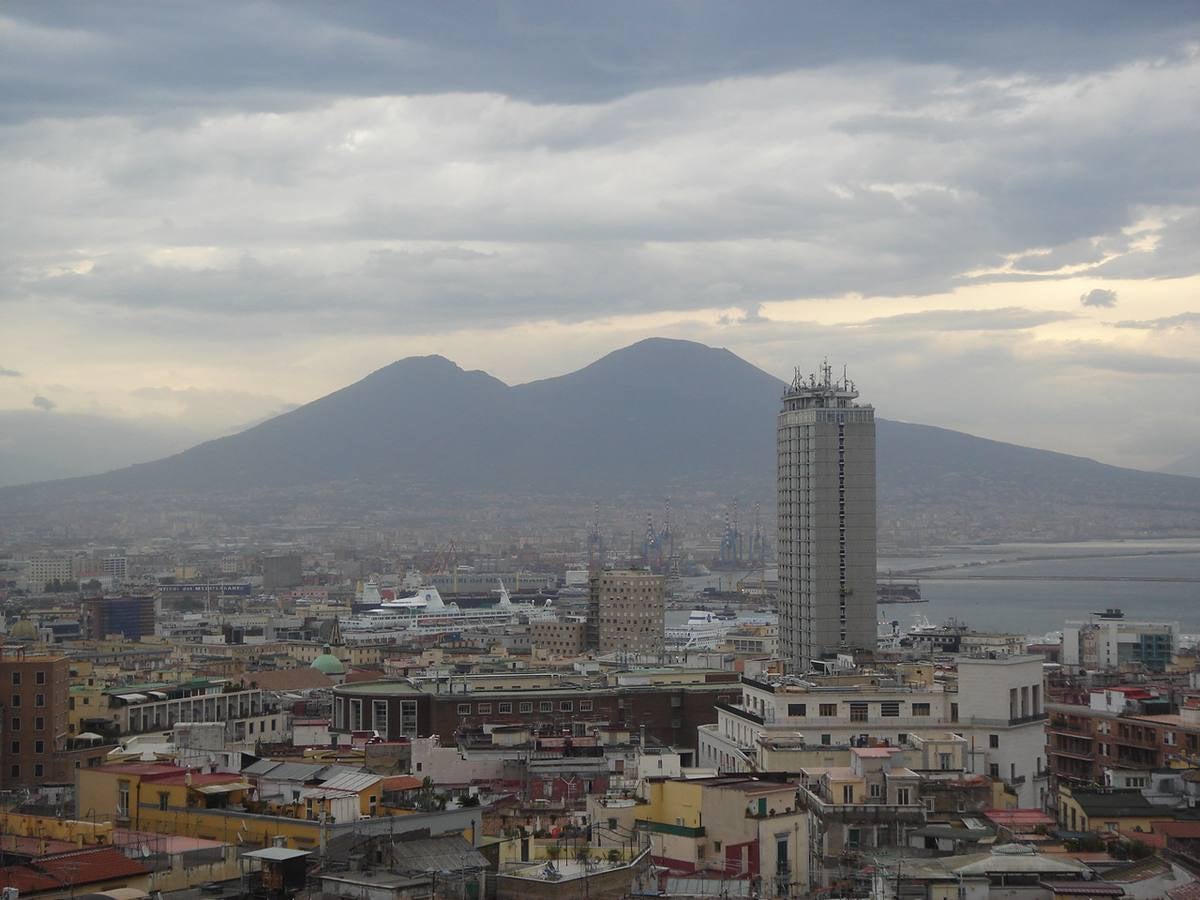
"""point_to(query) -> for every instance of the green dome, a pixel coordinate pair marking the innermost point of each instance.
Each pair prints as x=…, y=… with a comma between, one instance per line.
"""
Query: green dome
x=328, y=663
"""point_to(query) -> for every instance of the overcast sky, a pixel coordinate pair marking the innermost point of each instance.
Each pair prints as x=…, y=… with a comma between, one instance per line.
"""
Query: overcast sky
x=990, y=212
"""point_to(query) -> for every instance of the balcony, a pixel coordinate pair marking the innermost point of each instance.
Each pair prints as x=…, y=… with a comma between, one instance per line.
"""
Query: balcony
x=861, y=812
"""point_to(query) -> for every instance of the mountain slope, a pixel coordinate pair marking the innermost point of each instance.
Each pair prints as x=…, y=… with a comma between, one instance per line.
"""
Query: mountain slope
x=1188, y=465
x=657, y=417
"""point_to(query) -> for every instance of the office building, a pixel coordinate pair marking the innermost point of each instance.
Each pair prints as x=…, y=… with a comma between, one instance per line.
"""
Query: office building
x=1110, y=642
x=45, y=570
x=826, y=458
x=132, y=617
x=626, y=612
x=282, y=571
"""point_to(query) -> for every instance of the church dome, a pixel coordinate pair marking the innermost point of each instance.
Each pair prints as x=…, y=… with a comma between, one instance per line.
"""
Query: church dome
x=328, y=663
x=23, y=631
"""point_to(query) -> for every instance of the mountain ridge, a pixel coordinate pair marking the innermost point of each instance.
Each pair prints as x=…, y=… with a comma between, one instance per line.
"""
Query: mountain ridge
x=659, y=416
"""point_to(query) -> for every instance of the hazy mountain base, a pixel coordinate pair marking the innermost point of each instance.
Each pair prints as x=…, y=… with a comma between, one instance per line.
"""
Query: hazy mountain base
x=422, y=443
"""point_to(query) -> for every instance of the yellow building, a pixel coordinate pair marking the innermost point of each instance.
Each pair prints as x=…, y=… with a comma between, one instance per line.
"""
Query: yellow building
x=1107, y=811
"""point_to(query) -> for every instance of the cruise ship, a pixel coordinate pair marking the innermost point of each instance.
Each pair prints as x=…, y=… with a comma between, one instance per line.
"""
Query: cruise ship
x=703, y=631
x=426, y=613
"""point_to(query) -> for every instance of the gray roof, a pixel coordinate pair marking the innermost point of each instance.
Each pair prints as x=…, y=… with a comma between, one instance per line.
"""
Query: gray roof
x=261, y=767
x=294, y=771
x=443, y=854
x=1113, y=803
x=276, y=854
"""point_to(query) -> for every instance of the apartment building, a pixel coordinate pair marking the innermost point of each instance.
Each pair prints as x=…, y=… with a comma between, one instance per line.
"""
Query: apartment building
x=1120, y=727
x=994, y=703
x=36, y=748
x=626, y=612
x=669, y=704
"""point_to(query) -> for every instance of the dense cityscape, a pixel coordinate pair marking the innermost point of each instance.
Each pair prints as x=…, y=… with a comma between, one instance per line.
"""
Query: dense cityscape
x=678, y=713
x=639, y=450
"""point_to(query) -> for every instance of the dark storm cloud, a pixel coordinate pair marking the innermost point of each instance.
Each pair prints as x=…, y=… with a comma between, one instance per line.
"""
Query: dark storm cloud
x=128, y=57
x=43, y=403
x=1099, y=297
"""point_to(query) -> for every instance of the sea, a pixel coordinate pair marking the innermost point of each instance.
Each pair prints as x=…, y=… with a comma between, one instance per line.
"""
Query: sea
x=1056, y=582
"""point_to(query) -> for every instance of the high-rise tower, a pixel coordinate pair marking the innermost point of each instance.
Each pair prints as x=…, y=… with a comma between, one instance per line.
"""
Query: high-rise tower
x=826, y=453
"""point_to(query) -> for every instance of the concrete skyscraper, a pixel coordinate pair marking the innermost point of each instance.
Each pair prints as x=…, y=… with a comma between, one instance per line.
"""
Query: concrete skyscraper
x=826, y=454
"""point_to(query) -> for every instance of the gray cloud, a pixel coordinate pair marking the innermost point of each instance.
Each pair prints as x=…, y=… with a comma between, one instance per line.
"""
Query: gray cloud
x=44, y=403
x=85, y=61
x=1006, y=319
x=9, y=373
x=1182, y=320
x=1099, y=297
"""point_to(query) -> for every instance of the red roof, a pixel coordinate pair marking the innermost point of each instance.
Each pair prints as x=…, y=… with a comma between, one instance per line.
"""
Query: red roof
x=199, y=778
x=1018, y=819
x=142, y=768
x=401, y=783
x=26, y=880
x=90, y=865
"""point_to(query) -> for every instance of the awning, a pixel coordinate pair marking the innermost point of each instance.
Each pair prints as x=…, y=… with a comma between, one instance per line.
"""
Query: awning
x=223, y=788
x=161, y=695
x=132, y=698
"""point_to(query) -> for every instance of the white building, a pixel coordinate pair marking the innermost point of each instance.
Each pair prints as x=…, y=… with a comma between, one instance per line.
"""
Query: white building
x=995, y=704
x=1109, y=641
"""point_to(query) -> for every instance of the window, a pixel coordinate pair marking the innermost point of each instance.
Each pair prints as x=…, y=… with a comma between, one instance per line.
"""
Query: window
x=797, y=709
x=902, y=796
x=39, y=677
x=920, y=709
x=994, y=741
x=379, y=716
x=16, y=724
x=356, y=715
x=566, y=706
x=39, y=723
x=485, y=709
x=945, y=761
x=122, y=798
x=585, y=705
x=16, y=678
x=39, y=746
x=546, y=706
x=39, y=699
x=994, y=770
x=826, y=739
x=505, y=707
x=858, y=711
x=828, y=710
x=14, y=748
x=889, y=708
x=38, y=770
x=163, y=799
x=16, y=700
x=14, y=771
x=847, y=793
x=875, y=789
x=464, y=709
x=953, y=712
x=526, y=706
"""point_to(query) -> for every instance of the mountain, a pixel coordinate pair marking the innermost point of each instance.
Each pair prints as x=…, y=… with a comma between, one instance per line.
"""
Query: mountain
x=657, y=417
x=39, y=446
x=1188, y=465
